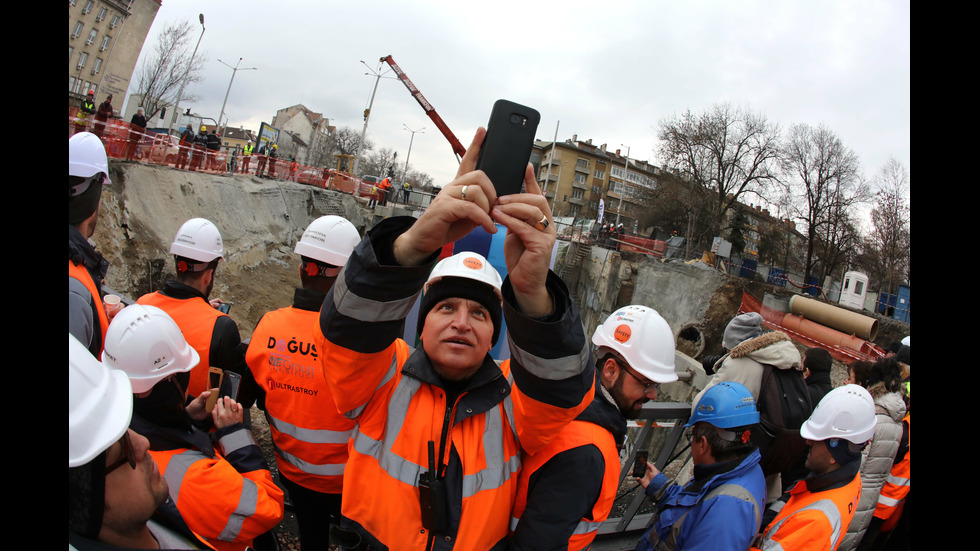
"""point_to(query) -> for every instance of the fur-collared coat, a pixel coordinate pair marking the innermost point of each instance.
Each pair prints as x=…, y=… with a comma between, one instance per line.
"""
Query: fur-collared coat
x=876, y=464
x=744, y=364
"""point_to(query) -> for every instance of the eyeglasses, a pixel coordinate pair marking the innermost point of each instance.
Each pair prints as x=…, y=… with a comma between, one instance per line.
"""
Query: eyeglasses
x=128, y=455
x=647, y=386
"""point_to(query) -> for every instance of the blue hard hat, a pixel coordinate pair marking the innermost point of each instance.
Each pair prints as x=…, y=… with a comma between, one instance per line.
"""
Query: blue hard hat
x=726, y=405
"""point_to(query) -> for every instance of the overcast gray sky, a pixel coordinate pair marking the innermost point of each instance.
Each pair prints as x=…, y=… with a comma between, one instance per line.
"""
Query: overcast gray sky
x=607, y=71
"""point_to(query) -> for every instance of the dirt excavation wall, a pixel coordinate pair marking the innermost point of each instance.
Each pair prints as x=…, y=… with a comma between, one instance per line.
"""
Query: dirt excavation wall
x=260, y=221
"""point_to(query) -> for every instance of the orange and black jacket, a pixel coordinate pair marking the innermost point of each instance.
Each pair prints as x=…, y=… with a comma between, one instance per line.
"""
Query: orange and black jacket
x=477, y=429
x=87, y=319
x=567, y=490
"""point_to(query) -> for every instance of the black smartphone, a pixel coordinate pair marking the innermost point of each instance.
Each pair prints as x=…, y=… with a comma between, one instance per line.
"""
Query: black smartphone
x=507, y=146
x=224, y=307
x=640, y=465
x=230, y=385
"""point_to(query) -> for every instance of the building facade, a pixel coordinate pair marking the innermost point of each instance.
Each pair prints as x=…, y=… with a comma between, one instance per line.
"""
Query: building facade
x=310, y=134
x=105, y=38
x=581, y=174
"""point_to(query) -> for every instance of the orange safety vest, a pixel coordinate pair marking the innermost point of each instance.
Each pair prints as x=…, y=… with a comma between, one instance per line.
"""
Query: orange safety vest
x=196, y=319
x=813, y=521
x=226, y=507
x=79, y=272
x=397, y=414
x=576, y=434
x=309, y=434
x=897, y=485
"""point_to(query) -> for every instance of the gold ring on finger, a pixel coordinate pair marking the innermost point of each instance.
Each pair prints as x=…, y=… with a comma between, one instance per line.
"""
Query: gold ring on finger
x=542, y=224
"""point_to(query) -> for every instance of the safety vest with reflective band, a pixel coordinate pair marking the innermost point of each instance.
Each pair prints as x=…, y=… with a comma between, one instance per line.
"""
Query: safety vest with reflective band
x=576, y=434
x=227, y=507
x=400, y=405
x=79, y=272
x=248, y=150
x=196, y=319
x=813, y=521
x=898, y=483
x=309, y=434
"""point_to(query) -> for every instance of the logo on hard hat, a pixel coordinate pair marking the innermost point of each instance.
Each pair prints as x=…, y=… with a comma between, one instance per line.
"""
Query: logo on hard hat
x=622, y=333
x=472, y=263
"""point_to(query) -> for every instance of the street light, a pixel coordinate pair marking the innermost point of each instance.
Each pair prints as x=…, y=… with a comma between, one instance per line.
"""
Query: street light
x=234, y=70
x=367, y=112
x=407, y=157
x=183, y=81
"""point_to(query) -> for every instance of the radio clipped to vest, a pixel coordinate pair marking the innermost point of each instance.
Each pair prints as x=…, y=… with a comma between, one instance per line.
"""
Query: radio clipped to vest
x=432, y=496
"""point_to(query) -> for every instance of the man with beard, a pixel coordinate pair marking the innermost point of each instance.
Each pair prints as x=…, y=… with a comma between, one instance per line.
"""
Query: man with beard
x=197, y=249
x=566, y=491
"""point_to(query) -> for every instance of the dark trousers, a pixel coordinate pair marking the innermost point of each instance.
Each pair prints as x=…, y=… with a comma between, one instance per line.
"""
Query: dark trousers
x=315, y=512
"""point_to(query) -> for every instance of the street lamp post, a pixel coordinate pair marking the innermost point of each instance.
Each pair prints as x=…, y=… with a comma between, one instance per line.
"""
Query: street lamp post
x=409, y=156
x=234, y=71
x=183, y=81
x=367, y=112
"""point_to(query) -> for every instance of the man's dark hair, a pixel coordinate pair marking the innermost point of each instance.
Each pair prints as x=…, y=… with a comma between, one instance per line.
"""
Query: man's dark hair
x=817, y=360
x=722, y=449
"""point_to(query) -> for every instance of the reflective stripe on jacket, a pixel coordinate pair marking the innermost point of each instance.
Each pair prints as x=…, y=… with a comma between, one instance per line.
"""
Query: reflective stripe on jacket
x=227, y=507
x=196, y=319
x=576, y=434
x=898, y=483
x=813, y=521
x=79, y=272
x=309, y=434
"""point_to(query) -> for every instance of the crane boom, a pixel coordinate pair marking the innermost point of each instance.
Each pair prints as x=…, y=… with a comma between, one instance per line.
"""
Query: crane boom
x=458, y=148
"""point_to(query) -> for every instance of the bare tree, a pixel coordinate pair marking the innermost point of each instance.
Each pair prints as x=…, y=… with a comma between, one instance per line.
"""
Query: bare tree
x=378, y=162
x=159, y=77
x=824, y=184
x=727, y=151
x=891, y=224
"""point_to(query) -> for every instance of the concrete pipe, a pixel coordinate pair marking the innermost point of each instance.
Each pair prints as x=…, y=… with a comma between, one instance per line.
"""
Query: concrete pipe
x=832, y=316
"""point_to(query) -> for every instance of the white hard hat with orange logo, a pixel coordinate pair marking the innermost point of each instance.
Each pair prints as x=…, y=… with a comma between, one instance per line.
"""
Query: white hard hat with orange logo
x=468, y=265
x=641, y=337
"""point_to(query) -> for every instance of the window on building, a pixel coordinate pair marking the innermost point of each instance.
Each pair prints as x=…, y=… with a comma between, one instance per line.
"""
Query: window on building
x=91, y=36
x=77, y=31
x=70, y=51
x=574, y=209
x=115, y=21
x=101, y=16
x=72, y=3
x=582, y=163
x=596, y=190
x=859, y=287
x=82, y=58
x=105, y=43
x=98, y=66
x=600, y=174
x=577, y=194
x=88, y=6
x=580, y=178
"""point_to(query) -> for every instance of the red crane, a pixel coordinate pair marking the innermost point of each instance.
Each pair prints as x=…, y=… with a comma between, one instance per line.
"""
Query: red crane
x=458, y=148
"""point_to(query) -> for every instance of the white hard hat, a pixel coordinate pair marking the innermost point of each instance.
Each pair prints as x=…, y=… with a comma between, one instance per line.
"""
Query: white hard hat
x=86, y=155
x=640, y=336
x=100, y=405
x=846, y=412
x=146, y=344
x=198, y=239
x=907, y=341
x=467, y=265
x=329, y=239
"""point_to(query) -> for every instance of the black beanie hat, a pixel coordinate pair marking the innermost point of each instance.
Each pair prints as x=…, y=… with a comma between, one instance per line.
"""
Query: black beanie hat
x=82, y=200
x=461, y=287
